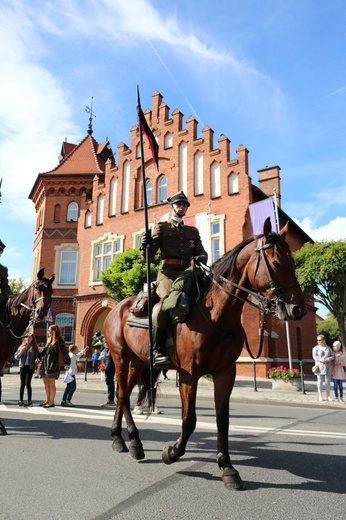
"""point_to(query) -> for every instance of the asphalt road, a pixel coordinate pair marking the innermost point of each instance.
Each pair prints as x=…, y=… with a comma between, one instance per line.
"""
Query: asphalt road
x=59, y=464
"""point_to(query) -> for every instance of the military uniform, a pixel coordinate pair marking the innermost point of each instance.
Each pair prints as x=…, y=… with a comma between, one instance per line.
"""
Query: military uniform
x=178, y=244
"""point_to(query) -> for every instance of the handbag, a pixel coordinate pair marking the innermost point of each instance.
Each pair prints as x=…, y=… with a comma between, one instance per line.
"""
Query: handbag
x=68, y=377
x=315, y=369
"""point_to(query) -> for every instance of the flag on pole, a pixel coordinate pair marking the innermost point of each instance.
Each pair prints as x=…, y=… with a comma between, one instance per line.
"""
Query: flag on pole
x=259, y=211
x=154, y=147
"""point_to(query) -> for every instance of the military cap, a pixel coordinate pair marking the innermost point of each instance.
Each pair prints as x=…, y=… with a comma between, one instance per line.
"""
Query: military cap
x=178, y=197
x=2, y=245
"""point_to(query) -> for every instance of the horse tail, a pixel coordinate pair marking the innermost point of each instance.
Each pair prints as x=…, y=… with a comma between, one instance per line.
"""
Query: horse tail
x=144, y=392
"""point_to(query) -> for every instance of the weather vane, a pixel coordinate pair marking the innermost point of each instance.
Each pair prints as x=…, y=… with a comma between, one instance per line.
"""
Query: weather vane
x=89, y=110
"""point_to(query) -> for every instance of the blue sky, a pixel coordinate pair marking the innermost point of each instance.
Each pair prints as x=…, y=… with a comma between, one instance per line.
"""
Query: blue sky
x=269, y=75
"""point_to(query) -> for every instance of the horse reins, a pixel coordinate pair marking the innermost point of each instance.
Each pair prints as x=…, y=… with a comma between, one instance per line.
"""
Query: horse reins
x=265, y=304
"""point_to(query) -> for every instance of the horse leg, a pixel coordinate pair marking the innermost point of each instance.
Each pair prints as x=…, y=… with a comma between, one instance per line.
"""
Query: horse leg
x=127, y=378
x=188, y=400
x=223, y=386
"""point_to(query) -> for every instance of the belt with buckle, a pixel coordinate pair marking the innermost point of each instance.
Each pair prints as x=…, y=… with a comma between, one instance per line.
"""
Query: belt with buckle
x=175, y=261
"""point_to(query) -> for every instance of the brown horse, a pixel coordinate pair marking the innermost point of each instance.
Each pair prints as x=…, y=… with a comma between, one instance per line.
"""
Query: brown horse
x=209, y=341
x=23, y=310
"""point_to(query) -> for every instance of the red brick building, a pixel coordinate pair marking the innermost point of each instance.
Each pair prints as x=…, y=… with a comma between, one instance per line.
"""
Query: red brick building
x=89, y=208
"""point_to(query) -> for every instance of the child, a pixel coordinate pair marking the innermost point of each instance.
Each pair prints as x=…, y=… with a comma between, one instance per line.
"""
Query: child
x=338, y=372
x=95, y=361
x=71, y=387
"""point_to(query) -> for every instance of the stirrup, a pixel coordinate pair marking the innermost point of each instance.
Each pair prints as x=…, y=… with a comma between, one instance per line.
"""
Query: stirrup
x=161, y=359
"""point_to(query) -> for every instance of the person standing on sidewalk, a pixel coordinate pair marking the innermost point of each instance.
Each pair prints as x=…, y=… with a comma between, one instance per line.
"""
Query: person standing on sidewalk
x=338, y=371
x=50, y=363
x=106, y=358
x=72, y=386
x=26, y=355
x=324, y=358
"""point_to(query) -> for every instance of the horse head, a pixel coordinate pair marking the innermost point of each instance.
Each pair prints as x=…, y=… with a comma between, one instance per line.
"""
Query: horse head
x=41, y=295
x=272, y=274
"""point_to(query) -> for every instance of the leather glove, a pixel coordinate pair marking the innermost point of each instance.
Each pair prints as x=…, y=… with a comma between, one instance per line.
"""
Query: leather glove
x=200, y=260
x=146, y=240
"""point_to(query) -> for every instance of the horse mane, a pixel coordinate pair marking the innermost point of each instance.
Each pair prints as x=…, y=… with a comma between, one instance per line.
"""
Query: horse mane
x=225, y=266
x=18, y=299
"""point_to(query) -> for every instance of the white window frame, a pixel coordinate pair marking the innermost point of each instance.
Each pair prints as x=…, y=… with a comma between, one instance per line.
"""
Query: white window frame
x=215, y=180
x=103, y=252
x=198, y=172
x=126, y=187
x=88, y=218
x=183, y=167
x=168, y=141
x=233, y=183
x=149, y=192
x=113, y=197
x=162, y=189
x=59, y=250
x=216, y=237
x=72, y=212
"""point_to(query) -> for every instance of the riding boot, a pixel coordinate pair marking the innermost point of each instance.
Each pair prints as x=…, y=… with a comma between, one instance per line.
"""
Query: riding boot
x=159, y=355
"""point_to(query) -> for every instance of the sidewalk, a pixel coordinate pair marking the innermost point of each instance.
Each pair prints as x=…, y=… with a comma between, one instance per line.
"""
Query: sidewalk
x=243, y=390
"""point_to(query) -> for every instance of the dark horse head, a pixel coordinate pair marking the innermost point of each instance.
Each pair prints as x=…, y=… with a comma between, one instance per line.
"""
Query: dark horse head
x=27, y=308
x=264, y=266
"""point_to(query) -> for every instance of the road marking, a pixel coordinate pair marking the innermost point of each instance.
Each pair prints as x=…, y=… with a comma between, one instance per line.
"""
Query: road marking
x=107, y=415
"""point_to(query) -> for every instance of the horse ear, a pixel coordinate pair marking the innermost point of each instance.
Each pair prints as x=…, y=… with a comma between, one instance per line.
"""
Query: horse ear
x=40, y=274
x=284, y=230
x=267, y=227
x=52, y=278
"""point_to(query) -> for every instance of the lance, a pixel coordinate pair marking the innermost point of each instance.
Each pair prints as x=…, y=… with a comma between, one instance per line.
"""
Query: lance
x=154, y=148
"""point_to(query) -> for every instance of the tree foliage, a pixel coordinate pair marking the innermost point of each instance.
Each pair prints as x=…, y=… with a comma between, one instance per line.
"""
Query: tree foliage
x=127, y=273
x=329, y=328
x=321, y=271
x=17, y=285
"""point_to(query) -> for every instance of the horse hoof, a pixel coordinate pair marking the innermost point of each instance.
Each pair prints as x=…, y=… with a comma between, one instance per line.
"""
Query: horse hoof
x=137, y=452
x=120, y=446
x=232, y=480
x=167, y=455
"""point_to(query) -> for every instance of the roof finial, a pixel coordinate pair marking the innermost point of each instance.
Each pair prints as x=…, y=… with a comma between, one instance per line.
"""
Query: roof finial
x=89, y=110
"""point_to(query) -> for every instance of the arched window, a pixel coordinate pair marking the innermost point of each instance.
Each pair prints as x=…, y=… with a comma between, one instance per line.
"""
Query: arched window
x=126, y=187
x=87, y=222
x=149, y=191
x=183, y=167
x=162, y=189
x=215, y=180
x=100, y=208
x=57, y=212
x=72, y=212
x=198, y=171
x=168, y=142
x=233, y=184
x=113, y=197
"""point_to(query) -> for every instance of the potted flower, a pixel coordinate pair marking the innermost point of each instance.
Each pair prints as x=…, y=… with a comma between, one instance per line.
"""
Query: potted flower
x=285, y=379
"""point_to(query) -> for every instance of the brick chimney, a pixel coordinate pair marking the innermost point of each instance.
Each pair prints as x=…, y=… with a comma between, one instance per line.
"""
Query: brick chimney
x=269, y=179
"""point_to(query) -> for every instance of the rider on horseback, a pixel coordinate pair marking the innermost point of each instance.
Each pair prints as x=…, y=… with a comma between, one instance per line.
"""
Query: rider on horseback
x=4, y=287
x=178, y=244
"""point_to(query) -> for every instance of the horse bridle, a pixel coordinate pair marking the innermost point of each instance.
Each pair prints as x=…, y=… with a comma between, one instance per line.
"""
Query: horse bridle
x=32, y=320
x=265, y=305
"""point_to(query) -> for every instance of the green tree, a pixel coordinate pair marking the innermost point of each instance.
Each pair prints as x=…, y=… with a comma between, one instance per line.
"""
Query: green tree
x=127, y=273
x=321, y=271
x=17, y=285
x=329, y=328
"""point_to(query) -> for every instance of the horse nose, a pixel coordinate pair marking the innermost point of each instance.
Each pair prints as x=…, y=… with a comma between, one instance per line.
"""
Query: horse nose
x=297, y=312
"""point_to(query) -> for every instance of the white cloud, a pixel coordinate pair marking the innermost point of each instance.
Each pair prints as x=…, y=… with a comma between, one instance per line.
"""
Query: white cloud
x=333, y=230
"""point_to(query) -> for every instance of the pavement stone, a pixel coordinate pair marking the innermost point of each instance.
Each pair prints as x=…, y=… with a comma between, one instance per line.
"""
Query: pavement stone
x=244, y=389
